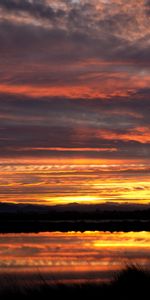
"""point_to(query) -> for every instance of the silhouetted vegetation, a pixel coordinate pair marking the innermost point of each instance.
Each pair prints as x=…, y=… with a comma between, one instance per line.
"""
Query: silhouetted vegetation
x=131, y=283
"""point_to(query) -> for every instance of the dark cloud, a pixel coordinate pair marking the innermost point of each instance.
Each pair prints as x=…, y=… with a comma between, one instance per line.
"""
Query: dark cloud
x=46, y=57
x=118, y=113
x=36, y=8
x=35, y=37
x=147, y=6
x=100, y=48
x=32, y=126
x=38, y=141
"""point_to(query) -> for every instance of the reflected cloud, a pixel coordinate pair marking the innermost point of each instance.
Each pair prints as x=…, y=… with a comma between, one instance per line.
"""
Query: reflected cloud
x=95, y=253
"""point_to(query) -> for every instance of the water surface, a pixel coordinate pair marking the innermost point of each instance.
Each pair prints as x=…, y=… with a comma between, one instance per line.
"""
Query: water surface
x=73, y=256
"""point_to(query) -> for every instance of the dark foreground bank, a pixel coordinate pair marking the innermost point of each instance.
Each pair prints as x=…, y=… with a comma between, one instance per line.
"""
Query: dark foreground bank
x=131, y=283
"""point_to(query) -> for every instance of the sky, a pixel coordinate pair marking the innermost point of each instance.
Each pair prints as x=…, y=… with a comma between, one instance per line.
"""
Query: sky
x=74, y=101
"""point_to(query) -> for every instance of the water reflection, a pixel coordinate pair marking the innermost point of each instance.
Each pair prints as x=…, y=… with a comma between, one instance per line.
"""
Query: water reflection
x=73, y=256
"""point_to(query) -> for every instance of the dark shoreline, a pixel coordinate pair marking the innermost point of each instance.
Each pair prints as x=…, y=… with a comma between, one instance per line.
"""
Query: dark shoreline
x=35, y=218
x=131, y=283
x=76, y=225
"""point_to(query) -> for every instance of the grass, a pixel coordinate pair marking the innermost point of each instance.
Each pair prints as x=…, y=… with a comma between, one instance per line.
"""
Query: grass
x=131, y=283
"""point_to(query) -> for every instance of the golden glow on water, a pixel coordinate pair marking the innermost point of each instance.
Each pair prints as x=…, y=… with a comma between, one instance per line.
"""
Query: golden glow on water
x=99, y=253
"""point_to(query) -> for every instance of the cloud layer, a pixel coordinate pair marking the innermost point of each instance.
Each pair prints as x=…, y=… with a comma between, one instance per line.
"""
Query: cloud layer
x=60, y=61
x=74, y=82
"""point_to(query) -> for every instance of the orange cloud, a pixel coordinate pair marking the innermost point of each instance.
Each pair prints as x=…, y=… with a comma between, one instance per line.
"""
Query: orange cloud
x=63, y=149
x=92, y=86
x=139, y=134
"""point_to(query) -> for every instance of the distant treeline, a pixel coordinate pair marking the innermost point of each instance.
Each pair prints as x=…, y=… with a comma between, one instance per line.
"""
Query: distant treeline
x=54, y=215
x=36, y=219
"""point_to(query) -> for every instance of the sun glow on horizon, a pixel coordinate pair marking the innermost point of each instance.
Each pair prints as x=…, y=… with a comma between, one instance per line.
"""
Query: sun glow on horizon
x=75, y=199
x=53, y=184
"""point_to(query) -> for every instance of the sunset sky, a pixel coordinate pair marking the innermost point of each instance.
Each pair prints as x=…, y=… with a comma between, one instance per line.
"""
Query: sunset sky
x=74, y=101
